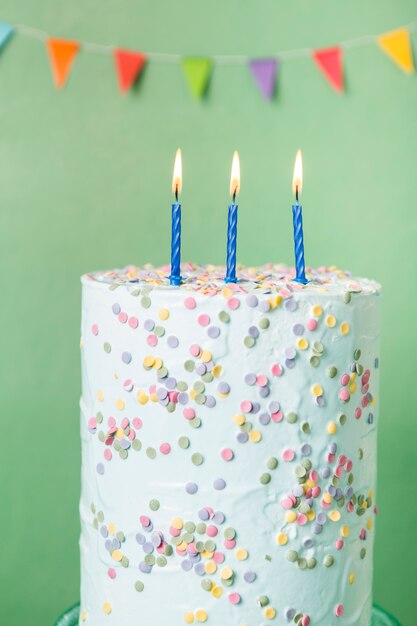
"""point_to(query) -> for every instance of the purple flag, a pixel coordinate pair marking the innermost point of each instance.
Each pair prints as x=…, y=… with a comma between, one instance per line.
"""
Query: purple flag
x=264, y=72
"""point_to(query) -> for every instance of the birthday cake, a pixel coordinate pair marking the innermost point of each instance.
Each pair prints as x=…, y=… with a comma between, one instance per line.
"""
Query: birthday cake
x=228, y=447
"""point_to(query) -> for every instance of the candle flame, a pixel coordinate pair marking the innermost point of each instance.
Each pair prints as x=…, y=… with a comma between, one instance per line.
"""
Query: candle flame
x=297, y=181
x=177, y=175
x=235, y=175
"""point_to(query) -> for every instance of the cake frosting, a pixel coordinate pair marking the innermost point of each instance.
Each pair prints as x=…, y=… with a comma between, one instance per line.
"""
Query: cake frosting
x=228, y=447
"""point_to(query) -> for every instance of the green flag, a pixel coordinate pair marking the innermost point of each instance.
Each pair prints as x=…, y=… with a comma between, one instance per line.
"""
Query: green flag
x=197, y=72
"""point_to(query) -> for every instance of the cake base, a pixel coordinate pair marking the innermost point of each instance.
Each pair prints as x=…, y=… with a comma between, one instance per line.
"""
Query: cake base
x=379, y=617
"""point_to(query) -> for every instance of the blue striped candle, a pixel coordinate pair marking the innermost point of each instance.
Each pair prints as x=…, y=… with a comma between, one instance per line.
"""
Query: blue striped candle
x=175, y=276
x=232, y=222
x=297, y=214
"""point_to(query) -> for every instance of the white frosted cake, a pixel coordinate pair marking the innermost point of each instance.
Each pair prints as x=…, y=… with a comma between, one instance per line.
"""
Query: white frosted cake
x=229, y=447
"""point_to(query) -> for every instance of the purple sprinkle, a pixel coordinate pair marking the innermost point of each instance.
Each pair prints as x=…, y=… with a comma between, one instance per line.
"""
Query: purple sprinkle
x=164, y=402
x=140, y=539
x=325, y=472
x=290, y=352
x=308, y=543
x=242, y=437
x=291, y=305
x=191, y=488
x=195, y=558
x=116, y=308
x=298, y=491
x=290, y=363
x=108, y=545
x=183, y=397
x=349, y=492
x=209, y=366
x=170, y=382
x=149, y=325
x=338, y=494
x=317, y=529
x=156, y=540
x=264, y=392
x=223, y=388
x=319, y=400
x=332, y=448
x=253, y=331
x=126, y=357
x=249, y=577
x=264, y=306
x=290, y=614
x=298, y=329
x=332, y=490
x=125, y=443
x=145, y=569
x=306, y=449
x=321, y=518
x=162, y=393
x=203, y=514
x=256, y=407
x=213, y=332
x=201, y=369
x=218, y=517
x=115, y=544
x=264, y=419
x=210, y=402
x=148, y=548
x=200, y=569
x=186, y=565
x=250, y=379
x=173, y=342
x=274, y=406
x=252, y=301
x=104, y=532
x=219, y=484
x=100, y=469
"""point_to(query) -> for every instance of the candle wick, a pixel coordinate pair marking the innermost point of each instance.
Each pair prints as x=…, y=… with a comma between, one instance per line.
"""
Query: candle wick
x=296, y=193
x=234, y=195
x=176, y=193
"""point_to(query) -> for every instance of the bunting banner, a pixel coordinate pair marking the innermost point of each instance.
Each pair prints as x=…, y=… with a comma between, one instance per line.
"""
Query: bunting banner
x=197, y=70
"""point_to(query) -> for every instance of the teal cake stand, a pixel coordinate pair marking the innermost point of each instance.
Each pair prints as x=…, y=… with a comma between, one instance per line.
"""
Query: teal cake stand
x=379, y=617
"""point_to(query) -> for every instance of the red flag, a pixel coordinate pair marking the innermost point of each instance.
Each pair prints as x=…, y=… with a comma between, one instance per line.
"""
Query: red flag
x=62, y=54
x=128, y=67
x=329, y=61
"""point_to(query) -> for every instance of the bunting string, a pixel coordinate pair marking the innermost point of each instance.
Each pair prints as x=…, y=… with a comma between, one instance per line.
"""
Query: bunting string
x=395, y=44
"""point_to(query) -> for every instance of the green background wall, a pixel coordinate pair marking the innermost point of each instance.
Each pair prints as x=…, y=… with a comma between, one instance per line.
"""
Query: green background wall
x=85, y=184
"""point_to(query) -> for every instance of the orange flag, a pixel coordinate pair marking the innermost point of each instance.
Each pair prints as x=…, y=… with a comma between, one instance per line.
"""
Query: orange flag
x=397, y=45
x=62, y=54
x=129, y=65
x=329, y=61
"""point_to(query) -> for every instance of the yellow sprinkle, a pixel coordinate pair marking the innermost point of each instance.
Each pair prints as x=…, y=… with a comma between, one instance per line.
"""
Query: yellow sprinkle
x=332, y=428
x=270, y=613
x=111, y=528
x=302, y=343
x=344, y=328
x=330, y=321
x=353, y=376
x=120, y=404
x=352, y=577
x=327, y=497
x=83, y=616
x=317, y=390
x=201, y=616
x=317, y=311
x=100, y=395
x=158, y=363
x=241, y=554
x=142, y=397
x=210, y=567
x=107, y=608
x=352, y=387
x=278, y=300
x=177, y=523
x=227, y=293
x=255, y=436
x=189, y=618
x=226, y=573
x=239, y=420
x=290, y=516
x=334, y=515
x=116, y=376
x=182, y=546
x=217, y=370
x=369, y=524
x=153, y=397
x=117, y=555
x=163, y=314
x=148, y=361
x=272, y=303
x=120, y=433
x=311, y=515
x=371, y=493
x=345, y=530
x=217, y=592
x=206, y=356
x=282, y=538
x=207, y=555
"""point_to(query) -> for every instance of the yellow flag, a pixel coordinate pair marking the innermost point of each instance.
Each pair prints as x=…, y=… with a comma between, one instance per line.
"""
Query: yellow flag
x=397, y=45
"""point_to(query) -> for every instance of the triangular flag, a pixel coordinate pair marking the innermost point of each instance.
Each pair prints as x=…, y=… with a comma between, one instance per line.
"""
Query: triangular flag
x=129, y=65
x=397, y=45
x=6, y=31
x=329, y=61
x=197, y=72
x=62, y=54
x=264, y=71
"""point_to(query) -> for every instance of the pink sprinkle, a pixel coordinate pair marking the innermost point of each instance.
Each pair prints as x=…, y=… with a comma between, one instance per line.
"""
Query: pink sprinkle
x=233, y=303
x=211, y=531
x=345, y=379
x=302, y=519
x=137, y=423
x=325, y=505
x=122, y=317
x=209, y=511
x=342, y=459
x=227, y=454
x=339, y=543
x=344, y=395
x=349, y=465
x=161, y=548
x=305, y=620
x=277, y=417
x=287, y=503
x=165, y=448
x=276, y=369
x=331, y=458
x=234, y=598
x=288, y=455
x=192, y=548
x=229, y=544
x=174, y=532
x=108, y=454
x=152, y=388
x=145, y=521
x=132, y=435
x=364, y=401
x=133, y=322
x=112, y=573
x=313, y=476
x=189, y=413
x=203, y=319
x=316, y=491
x=173, y=396
x=94, y=329
x=350, y=507
x=311, y=324
x=261, y=380
x=338, y=471
x=218, y=557
x=152, y=340
x=339, y=610
x=195, y=349
x=190, y=303
x=246, y=406
x=92, y=422
x=128, y=385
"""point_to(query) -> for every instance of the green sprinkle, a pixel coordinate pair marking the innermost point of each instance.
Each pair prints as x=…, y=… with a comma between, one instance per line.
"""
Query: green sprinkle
x=149, y=559
x=263, y=601
x=264, y=323
x=195, y=422
x=362, y=553
x=107, y=347
x=182, y=385
x=291, y=417
x=342, y=419
x=183, y=442
x=136, y=444
x=197, y=458
x=224, y=317
x=120, y=536
x=189, y=365
x=125, y=561
x=139, y=586
x=200, y=528
x=99, y=417
x=314, y=361
x=151, y=453
x=328, y=560
x=154, y=504
x=302, y=563
x=161, y=561
x=206, y=584
x=272, y=463
x=249, y=342
x=123, y=454
x=305, y=427
x=229, y=533
x=145, y=302
x=311, y=563
x=332, y=371
x=292, y=556
x=265, y=479
x=347, y=297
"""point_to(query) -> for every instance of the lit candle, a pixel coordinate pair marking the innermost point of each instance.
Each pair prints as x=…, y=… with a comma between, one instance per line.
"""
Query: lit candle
x=175, y=277
x=232, y=221
x=297, y=214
